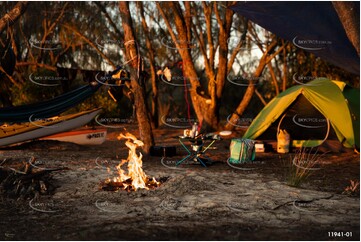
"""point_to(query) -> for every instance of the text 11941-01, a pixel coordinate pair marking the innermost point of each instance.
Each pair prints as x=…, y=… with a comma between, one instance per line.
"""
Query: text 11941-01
x=339, y=234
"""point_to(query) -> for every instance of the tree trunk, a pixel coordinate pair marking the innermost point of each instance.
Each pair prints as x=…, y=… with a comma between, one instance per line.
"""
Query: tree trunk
x=274, y=78
x=133, y=58
x=349, y=14
x=285, y=68
x=181, y=41
x=204, y=107
x=154, y=111
x=265, y=59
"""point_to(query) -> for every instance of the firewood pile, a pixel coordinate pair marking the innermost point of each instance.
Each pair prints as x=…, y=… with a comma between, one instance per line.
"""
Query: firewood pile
x=24, y=180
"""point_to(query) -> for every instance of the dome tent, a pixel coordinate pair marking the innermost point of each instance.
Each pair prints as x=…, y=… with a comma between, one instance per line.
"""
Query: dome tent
x=336, y=101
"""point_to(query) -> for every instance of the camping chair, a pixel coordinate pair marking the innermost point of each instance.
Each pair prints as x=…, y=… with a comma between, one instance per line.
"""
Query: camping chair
x=306, y=143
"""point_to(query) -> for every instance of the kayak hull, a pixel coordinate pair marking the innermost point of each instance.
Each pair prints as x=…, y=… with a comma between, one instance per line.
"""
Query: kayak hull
x=81, y=137
x=40, y=128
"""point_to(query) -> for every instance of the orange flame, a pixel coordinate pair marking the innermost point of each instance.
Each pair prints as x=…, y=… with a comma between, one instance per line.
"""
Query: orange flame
x=135, y=175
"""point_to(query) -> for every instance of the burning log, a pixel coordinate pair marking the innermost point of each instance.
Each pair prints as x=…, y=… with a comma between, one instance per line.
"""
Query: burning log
x=28, y=181
x=136, y=177
x=110, y=185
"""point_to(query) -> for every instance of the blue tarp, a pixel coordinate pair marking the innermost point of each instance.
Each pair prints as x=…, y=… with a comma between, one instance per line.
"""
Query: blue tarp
x=313, y=26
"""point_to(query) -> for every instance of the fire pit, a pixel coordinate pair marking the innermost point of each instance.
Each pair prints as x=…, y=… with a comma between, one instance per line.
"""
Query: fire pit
x=135, y=178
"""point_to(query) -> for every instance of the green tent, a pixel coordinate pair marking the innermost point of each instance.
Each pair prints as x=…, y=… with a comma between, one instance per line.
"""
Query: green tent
x=335, y=100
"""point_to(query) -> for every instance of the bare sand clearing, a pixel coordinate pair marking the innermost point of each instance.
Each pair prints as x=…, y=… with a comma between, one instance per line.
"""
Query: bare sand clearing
x=219, y=202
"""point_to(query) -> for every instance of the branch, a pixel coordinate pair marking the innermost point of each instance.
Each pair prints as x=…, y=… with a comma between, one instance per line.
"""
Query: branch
x=90, y=43
x=202, y=47
x=188, y=18
x=256, y=38
x=170, y=30
x=238, y=47
x=349, y=15
x=48, y=67
x=111, y=22
x=151, y=16
x=10, y=78
x=28, y=47
x=10, y=18
x=260, y=97
x=49, y=30
x=285, y=68
x=265, y=59
x=52, y=26
x=208, y=14
x=223, y=51
x=218, y=17
x=274, y=79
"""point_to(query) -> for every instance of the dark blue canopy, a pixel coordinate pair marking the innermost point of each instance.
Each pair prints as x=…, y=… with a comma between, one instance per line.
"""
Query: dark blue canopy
x=313, y=26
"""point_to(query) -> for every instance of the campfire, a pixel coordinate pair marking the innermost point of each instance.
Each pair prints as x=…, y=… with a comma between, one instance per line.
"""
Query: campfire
x=136, y=177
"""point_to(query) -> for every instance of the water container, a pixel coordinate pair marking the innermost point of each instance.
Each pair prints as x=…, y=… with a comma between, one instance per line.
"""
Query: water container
x=283, y=141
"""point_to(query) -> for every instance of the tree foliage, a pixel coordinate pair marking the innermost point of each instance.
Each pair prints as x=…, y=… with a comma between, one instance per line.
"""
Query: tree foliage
x=223, y=66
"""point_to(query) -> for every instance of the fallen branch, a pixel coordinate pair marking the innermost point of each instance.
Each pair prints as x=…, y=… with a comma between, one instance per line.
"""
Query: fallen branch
x=27, y=181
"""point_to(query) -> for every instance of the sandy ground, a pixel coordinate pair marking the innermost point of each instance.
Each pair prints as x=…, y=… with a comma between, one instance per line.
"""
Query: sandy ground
x=219, y=202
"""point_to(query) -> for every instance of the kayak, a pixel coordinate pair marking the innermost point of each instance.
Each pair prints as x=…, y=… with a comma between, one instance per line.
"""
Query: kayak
x=80, y=137
x=12, y=134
